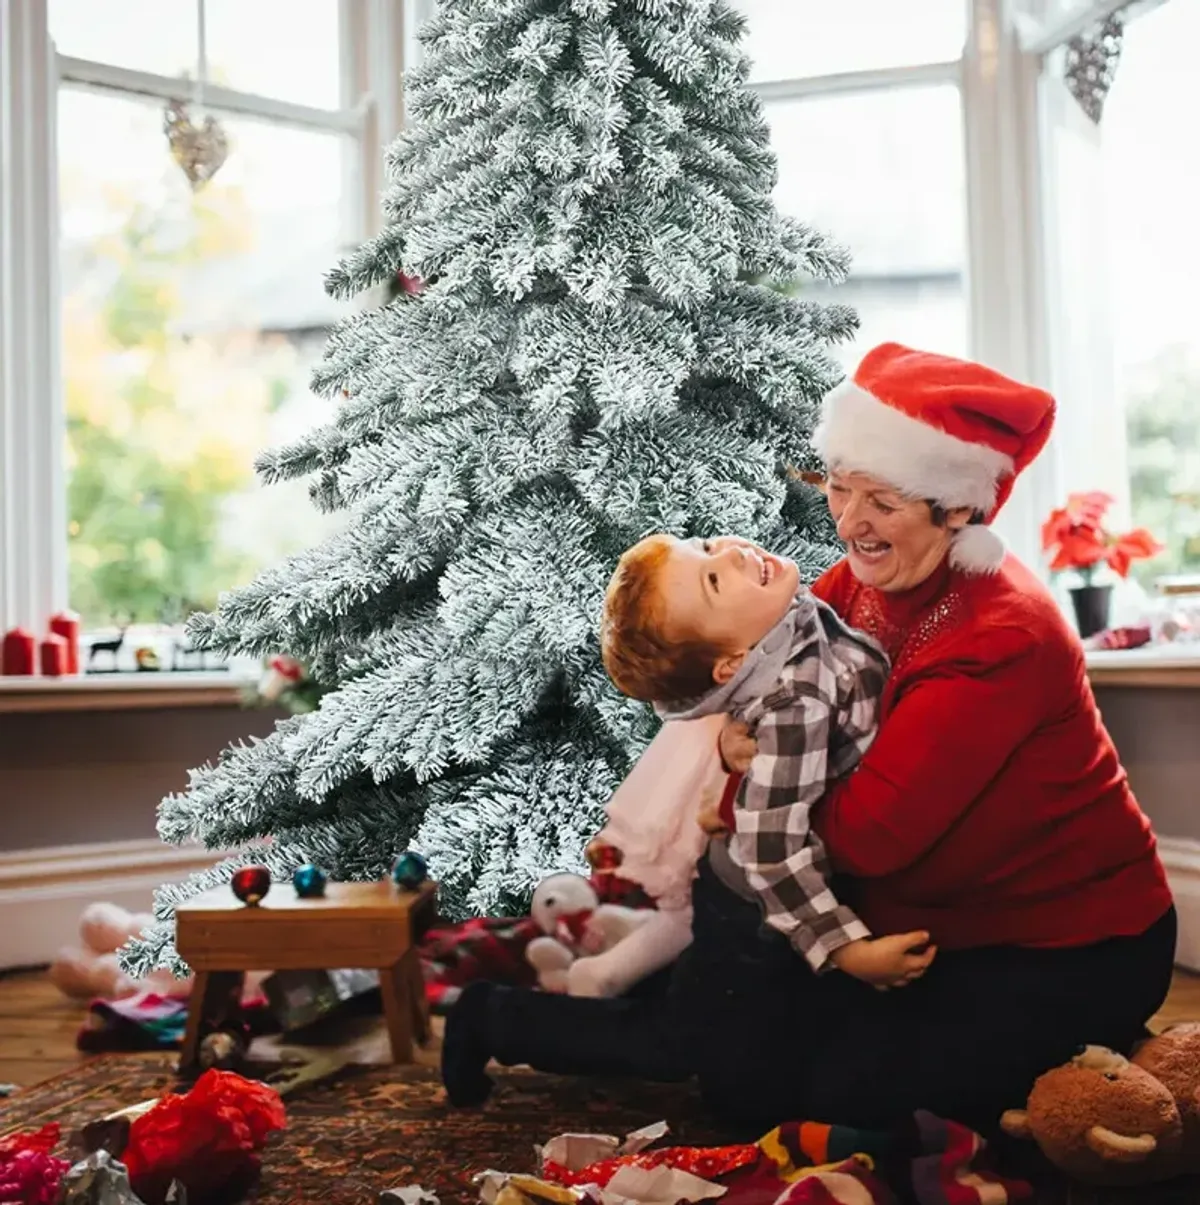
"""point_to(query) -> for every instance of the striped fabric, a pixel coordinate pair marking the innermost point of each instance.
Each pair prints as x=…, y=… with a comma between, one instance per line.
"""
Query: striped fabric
x=930, y=1161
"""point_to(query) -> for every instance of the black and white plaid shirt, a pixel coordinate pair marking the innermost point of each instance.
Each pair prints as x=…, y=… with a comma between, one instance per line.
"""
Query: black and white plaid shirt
x=811, y=731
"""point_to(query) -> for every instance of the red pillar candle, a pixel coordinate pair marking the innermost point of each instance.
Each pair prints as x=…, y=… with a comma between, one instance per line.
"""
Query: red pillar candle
x=55, y=656
x=66, y=625
x=20, y=649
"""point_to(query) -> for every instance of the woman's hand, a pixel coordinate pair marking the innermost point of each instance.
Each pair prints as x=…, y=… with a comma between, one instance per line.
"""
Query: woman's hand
x=736, y=746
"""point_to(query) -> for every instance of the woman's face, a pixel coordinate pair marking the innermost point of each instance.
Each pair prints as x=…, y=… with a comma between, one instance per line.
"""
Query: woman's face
x=892, y=542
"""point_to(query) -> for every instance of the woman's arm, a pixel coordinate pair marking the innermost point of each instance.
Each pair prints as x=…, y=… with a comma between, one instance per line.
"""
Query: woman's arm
x=945, y=739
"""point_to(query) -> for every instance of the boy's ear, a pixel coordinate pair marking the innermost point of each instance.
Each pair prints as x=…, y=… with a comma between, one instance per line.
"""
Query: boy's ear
x=726, y=666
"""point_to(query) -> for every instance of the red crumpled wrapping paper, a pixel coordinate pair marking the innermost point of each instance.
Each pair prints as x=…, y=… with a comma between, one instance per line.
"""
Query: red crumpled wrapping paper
x=707, y=1163
x=208, y=1139
x=29, y=1173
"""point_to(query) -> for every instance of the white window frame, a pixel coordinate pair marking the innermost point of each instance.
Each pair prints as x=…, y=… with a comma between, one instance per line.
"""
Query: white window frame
x=1079, y=366
x=33, y=528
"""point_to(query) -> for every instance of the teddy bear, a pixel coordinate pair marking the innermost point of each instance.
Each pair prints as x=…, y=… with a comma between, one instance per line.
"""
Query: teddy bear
x=577, y=933
x=90, y=969
x=1106, y=1120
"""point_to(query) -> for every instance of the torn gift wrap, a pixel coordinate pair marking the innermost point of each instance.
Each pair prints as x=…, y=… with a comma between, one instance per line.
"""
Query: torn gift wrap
x=574, y=1152
x=630, y=1186
x=97, y=1180
x=505, y=1188
x=660, y=1185
x=409, y=1194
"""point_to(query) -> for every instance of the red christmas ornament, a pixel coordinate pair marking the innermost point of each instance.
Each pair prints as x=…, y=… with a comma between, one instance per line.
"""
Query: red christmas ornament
x=66, y=625
x=412, y=285
x=55, y=656
x=251, y=883
x=20, y=651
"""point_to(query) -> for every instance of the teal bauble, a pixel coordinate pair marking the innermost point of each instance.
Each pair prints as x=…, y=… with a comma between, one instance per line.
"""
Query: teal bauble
x=309, y=882
x=410, y=870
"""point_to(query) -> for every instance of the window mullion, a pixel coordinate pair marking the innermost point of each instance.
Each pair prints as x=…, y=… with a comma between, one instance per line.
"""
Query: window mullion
x=373, y=43
x=33, y=529
x=1004, y=217
x=126, y=81
x=882, y=79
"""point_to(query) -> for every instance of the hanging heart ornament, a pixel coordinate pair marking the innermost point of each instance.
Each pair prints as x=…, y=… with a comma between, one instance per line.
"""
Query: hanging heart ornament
x=200, y=149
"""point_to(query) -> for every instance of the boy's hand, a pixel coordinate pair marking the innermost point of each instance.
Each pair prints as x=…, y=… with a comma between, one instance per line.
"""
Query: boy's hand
x=885, y=962
x=709, y=816
x=736, y=746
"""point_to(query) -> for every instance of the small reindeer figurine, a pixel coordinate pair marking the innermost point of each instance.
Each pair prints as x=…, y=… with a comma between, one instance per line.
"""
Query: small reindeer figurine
x=112, y=647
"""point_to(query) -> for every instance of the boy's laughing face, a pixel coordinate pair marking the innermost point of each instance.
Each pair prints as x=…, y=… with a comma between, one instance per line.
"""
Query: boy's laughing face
x=726, y=592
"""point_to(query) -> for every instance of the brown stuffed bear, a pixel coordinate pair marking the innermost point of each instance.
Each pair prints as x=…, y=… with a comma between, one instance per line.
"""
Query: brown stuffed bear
x=1107, y=1120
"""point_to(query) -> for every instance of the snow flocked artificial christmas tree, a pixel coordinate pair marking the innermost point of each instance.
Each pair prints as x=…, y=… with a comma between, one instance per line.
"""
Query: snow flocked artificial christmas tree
x=587, y=186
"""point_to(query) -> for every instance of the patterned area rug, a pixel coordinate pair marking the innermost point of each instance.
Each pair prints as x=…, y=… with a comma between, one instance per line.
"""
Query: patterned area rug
x=372, y=1128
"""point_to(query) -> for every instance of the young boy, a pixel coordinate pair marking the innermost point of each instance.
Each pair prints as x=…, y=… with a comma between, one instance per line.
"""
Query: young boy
x=699, y=627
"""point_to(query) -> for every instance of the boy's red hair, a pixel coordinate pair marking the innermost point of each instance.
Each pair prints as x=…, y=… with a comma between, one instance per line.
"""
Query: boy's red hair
x=641, y=657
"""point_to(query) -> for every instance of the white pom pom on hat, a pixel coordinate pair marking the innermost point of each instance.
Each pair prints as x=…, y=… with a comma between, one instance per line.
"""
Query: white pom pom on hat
x=950, y=431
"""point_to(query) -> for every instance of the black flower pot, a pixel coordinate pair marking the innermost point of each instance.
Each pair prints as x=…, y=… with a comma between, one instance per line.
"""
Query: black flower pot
x=1091, y=605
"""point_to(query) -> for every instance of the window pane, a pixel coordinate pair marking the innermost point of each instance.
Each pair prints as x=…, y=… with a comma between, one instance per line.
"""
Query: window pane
x=790, y=39
x=145, y=35
x=190, y=325
x=1153, y=258
x=282, y=48
x=850, y=166
x=1051, y=12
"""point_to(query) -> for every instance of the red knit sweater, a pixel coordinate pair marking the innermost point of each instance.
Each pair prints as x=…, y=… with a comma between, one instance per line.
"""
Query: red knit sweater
x=992, y=807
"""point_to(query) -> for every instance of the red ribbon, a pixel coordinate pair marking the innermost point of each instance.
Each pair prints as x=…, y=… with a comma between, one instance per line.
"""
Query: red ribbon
x=569, y=928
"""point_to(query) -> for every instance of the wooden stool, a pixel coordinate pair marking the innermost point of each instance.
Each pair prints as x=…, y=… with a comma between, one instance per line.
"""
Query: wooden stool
x=359, y=925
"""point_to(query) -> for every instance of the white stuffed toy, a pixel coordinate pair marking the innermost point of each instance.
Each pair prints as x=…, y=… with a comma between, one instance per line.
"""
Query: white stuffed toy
x=576, y=929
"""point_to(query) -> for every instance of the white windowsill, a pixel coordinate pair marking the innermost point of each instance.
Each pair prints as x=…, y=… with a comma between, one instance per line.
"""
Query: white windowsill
x=125, y=691
x=1171, y=666
x=145, y=680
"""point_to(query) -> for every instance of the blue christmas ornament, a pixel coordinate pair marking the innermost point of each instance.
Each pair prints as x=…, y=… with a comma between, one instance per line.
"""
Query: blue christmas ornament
x=309, y=882
x=410, y=870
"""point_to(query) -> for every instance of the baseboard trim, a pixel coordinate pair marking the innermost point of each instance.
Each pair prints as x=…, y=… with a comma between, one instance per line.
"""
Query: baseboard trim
x=1181, y=857
x=44, y=891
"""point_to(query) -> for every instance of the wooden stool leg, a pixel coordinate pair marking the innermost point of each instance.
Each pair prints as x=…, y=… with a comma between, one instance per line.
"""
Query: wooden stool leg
x=417, y=997
x=213, y=994
x=397, y=1010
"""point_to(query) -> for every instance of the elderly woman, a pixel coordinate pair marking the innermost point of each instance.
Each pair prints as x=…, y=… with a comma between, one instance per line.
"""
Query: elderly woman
x=991, y=811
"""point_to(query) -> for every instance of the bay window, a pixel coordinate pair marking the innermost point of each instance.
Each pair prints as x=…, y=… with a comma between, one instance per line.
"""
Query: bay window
x=154, y=338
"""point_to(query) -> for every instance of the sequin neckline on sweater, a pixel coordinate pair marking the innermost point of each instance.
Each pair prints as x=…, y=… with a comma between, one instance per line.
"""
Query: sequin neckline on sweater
x=906, y=621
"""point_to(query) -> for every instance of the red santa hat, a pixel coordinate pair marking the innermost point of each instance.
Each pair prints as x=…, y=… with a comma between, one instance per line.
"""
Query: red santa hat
x=945, y=430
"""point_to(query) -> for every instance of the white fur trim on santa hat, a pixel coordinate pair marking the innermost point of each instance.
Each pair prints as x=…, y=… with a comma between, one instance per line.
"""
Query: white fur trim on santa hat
x=977, y=549
x=859, y=433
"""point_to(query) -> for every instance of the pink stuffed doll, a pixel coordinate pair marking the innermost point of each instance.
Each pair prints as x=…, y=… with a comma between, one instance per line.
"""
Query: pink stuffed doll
x=654, y=822
x=90, y=969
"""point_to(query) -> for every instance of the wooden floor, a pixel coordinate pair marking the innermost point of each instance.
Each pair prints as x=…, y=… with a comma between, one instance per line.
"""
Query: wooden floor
x=38, y=1026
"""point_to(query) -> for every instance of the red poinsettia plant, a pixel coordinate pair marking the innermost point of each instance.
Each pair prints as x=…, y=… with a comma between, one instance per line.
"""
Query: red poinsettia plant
x=1079, y=541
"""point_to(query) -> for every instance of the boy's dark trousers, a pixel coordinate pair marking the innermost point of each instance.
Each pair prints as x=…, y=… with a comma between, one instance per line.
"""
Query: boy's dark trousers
x=771, y=1041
